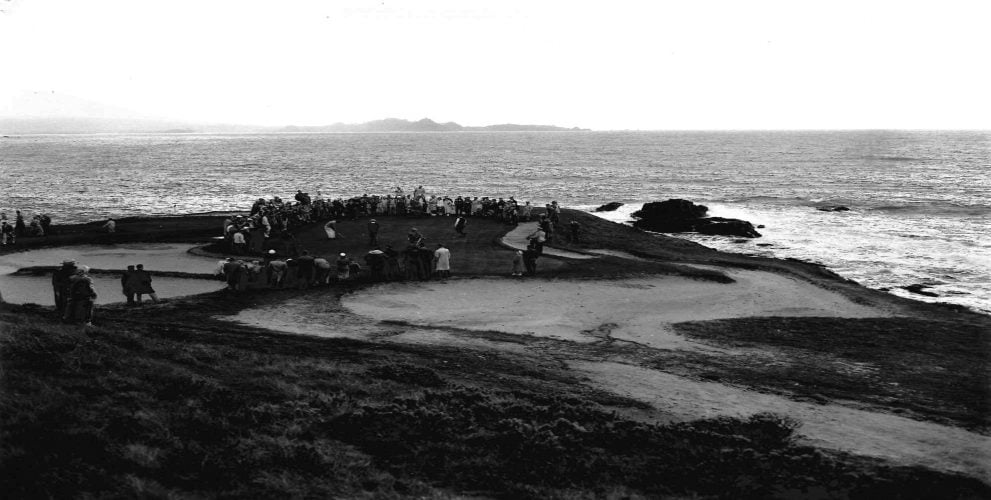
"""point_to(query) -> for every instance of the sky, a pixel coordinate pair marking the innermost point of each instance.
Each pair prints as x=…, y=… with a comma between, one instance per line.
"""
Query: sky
x=604, y=65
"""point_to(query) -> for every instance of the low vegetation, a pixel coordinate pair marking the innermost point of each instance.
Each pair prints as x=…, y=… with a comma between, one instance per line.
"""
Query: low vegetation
x=159, y=410
x=924, y=369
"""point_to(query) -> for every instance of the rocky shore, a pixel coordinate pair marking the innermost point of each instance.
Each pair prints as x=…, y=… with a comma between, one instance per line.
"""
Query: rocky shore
x=646, y=368
x=681, y=216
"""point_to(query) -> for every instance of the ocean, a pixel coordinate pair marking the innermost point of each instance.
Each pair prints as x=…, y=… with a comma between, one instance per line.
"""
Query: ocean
x=920, y=201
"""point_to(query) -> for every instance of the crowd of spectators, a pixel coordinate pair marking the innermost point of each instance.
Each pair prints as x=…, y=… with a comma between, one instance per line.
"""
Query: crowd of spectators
x=40, y=225
x=268, y=255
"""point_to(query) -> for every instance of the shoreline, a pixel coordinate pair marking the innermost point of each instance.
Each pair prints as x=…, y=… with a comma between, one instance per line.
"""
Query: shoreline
x=171, y=228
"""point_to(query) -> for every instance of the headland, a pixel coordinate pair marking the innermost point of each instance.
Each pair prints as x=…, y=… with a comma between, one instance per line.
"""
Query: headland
x=630, y=365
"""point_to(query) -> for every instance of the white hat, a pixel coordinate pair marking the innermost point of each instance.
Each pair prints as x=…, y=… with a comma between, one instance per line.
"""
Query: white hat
x=343, y=254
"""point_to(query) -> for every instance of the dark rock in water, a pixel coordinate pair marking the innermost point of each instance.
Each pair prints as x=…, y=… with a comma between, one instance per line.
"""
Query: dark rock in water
x=920, y=290
x=833, y=208
x=680, y=216
x=765, y=244
x=727, y=227
x=671, y=210
x=760, y=226
x=740, y=241
x=609, y=207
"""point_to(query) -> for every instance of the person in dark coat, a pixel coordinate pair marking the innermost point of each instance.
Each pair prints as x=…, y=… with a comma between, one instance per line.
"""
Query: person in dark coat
x=530, y=260
x=391, y=263
x=411, y=262
x=232, y=271
x=126, y=281
x=60, y=285
x=373, y=233
x=305, y=266
x=376, y=262
x=19, y=228
x=141, y=284
x=82, y=296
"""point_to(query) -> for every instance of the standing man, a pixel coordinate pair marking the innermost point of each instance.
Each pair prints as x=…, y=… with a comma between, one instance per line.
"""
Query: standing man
x=442, y=261
x=6, y=233
x=537, y=239
x=126, y=280
x=459, y=225
x=19, y=228
x=142, y=284
x=82, y=296
x=530, y=260
x=376, y=262
x=60, y=285
x=343, y=267
x=373, y=233
x=575, y=228
x=305, y=266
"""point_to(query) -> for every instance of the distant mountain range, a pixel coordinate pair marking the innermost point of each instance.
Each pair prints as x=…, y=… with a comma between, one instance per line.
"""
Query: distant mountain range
x=19, y=126
x=424, y=125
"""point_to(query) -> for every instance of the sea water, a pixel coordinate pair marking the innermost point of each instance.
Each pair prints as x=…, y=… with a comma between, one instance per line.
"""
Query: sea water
x=919, y=200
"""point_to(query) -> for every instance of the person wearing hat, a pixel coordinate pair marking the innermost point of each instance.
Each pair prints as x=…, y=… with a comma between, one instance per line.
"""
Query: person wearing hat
x=82, y=296
x=373, y=233
x=276, y=269
x=60, y=285
x=343, y=264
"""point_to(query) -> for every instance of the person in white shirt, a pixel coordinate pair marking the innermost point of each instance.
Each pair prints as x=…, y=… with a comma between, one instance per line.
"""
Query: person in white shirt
x=442, y=261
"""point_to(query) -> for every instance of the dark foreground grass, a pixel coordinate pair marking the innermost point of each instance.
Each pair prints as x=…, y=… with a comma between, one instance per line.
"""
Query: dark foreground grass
x=165, y=411
x=926, y=369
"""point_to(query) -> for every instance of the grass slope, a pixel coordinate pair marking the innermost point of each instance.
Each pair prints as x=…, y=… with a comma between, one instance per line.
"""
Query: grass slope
x=158, y=410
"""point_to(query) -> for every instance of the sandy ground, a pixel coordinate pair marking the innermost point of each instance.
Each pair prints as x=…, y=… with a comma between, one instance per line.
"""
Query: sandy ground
x=155, y=257
x=883, y=435
x=637, y=310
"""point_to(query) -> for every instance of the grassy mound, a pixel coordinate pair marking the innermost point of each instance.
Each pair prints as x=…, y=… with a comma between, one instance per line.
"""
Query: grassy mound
x=925, y=369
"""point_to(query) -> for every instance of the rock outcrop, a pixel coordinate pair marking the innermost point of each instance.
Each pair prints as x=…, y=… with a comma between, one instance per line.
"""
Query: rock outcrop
x=920, y=289
x=682, y=216
x=609, y=207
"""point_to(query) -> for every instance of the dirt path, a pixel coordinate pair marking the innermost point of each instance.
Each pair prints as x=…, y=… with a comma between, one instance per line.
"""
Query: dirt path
x=517, y=239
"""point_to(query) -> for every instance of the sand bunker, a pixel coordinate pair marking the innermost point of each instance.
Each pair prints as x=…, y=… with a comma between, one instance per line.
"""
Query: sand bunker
x=882, y=435
x=155, y=256
x=636, y=309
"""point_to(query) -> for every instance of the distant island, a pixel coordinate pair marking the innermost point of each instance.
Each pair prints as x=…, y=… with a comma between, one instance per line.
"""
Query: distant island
x=87, y=125
x=424, y=125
